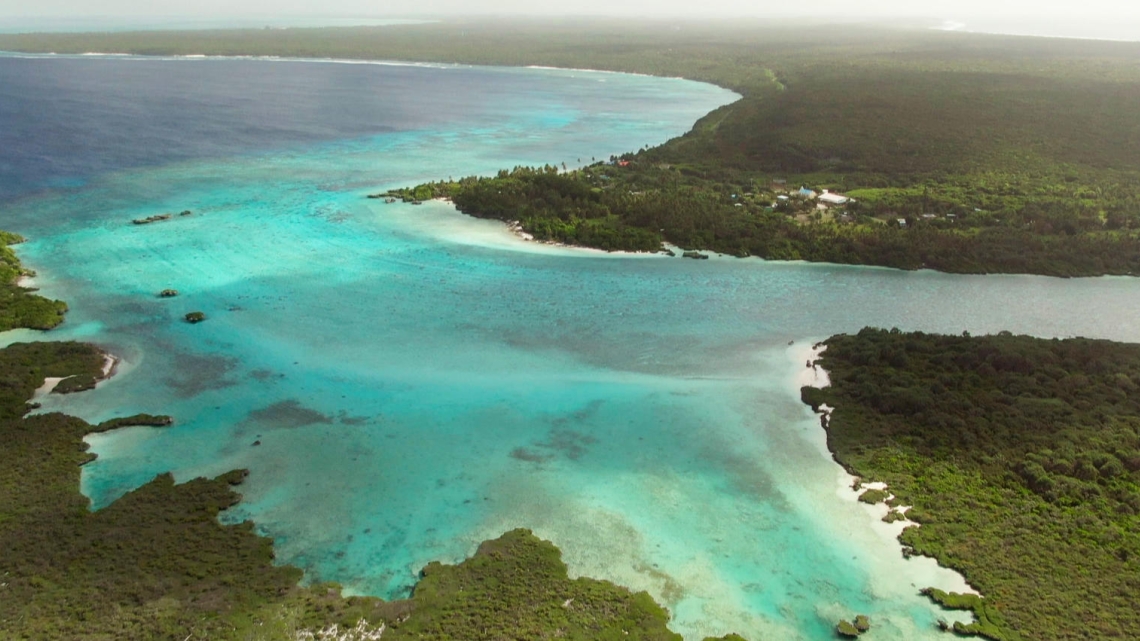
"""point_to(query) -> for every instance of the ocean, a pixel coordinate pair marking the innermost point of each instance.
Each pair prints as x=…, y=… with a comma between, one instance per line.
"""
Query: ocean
x=72, y=23
x=1090, y=25
x=404, y=382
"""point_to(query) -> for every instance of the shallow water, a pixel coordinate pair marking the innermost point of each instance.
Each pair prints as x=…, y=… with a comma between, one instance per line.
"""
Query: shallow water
x=419, y=381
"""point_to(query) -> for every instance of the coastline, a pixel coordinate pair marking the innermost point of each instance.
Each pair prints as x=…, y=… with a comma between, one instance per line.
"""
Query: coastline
x=516, y=229
x=522, y=239
x=509, y=235
x=850, y=487
x=440, y=219
x=1059, y=265
x=95, y=55
x=957, y=26
x=813, y=372
x=110, y=366
x=109, y=369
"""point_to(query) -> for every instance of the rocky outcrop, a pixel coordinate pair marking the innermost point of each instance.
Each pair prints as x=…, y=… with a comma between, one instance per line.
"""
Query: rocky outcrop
x=159, y=217
x=152, y=219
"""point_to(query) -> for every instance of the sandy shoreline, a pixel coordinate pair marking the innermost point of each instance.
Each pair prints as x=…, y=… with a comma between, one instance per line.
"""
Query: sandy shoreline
x=850, y=487
x=519, y=239
x=441, y=220
x=515, y=227
x=48, y=387
x=110, y=368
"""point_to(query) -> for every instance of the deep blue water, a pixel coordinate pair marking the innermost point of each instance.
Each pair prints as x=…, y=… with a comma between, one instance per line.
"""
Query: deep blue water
x=420, y=381
x=84, y=23
x=65, y=120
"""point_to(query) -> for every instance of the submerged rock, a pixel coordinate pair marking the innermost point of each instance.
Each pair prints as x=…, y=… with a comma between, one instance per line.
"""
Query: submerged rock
x=151, y=219
x=847, y=630
x=696, y=255
x=168, y=293
x=195, y=317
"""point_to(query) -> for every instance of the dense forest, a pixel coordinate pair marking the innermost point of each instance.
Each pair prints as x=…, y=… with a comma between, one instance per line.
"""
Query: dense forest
x=1021, y=459
x=997, y=154
x=638, y=206
x=19, y=306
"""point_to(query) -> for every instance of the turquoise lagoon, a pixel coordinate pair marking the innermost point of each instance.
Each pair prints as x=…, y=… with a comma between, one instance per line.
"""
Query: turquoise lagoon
x=404, y=382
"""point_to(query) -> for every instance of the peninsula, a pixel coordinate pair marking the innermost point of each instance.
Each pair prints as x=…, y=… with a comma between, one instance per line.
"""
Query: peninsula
x=19, y=305
x=1020, y=458
x=958, y=152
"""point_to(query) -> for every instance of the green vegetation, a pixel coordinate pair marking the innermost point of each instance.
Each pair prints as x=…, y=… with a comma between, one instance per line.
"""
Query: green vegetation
x=999, y=154
x=138, y=420
x=849, y=630
x=846, y=629
x=874, y=496
x=157, y=564
x=565, y=208
x=24, y=366
x=19, y=307
x=988, y=620
x=516, y=587
x=154, y=565
x=1021, y=457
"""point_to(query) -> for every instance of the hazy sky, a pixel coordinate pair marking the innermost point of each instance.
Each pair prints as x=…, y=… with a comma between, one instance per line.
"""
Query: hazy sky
x=1085, y=10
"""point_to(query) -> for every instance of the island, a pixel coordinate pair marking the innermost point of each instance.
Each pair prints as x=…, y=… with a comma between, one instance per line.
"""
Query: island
x=1020, y=459
x=157, y=218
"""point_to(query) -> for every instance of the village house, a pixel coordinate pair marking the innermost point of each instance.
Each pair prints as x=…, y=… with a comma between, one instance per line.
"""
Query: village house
x=833, y=200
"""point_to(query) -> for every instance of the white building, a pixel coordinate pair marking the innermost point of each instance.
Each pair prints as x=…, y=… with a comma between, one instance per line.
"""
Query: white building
x=832, y=200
